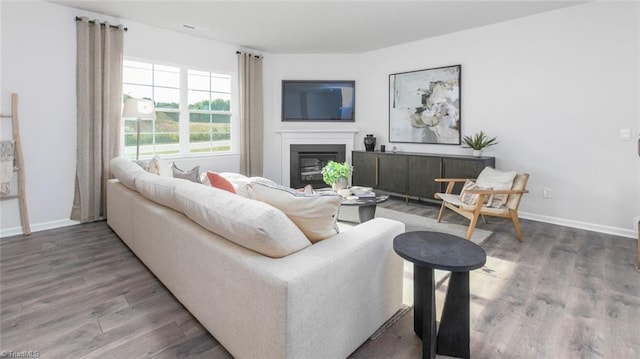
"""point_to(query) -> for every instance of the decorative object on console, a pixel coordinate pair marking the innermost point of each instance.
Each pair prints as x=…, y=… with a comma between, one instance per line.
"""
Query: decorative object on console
x=336, y=174
x=424, y=106
x=369, y=143
x=141, y=110
x=478, y=142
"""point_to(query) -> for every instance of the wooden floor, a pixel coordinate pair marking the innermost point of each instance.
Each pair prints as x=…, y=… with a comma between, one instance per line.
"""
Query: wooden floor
x=564, y=293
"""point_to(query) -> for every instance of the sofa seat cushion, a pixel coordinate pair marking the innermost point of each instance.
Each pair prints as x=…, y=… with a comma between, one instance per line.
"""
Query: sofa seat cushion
x=314, y=214
x=248, y=223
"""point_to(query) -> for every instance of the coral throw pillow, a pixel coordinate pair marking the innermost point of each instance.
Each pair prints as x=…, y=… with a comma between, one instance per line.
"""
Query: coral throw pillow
x=220, y=182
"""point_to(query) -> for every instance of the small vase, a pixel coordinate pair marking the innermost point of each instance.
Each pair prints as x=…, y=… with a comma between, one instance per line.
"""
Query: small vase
x=369, y=143
x=341, y=183
x=477, y=153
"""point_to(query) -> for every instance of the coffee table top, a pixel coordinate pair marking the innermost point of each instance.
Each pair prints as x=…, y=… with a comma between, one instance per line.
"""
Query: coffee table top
x=439, y=251
x=363, y=201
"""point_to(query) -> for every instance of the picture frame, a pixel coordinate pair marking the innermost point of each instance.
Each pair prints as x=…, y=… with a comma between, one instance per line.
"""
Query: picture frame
x=425, y=106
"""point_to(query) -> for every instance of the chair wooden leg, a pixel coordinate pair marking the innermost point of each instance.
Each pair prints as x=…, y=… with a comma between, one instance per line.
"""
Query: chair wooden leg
x=516, y=225
x=441, y=211
x=472, y=225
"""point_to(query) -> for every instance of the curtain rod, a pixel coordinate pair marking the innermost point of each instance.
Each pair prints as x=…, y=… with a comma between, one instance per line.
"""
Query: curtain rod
x=257, y=56
x=101, y=24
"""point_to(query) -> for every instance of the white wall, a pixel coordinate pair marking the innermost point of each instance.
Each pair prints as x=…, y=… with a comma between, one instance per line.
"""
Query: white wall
x=299, y=67
x=38, y=62
x=555, y=88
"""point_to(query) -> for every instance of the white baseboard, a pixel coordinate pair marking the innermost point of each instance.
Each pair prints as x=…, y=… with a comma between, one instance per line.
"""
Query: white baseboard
x=622, y=232
x=14, y=231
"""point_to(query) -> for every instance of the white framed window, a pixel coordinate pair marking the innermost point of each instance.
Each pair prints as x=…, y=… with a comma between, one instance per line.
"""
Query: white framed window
x=193, y=110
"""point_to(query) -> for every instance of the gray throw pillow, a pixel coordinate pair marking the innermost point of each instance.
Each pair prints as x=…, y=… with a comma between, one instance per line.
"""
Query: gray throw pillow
x=192, y=175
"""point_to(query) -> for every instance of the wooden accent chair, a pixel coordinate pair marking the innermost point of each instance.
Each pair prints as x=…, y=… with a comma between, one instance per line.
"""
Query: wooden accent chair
x=473, y=212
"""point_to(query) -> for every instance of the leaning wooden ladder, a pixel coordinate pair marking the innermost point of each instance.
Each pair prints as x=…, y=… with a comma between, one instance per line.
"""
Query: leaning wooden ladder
x=19, y=165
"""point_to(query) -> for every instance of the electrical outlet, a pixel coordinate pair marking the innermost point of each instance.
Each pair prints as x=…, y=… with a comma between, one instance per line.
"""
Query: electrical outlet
x=636, y=222
x=546, y=192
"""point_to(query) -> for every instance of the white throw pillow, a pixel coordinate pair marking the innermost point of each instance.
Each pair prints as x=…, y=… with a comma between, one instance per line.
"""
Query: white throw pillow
x=160, y=167
x=497, y=180
x=472, y=198
x=314, y=214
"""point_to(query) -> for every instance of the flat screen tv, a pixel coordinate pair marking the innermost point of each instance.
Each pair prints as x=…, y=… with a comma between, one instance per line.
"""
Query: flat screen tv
x=318, y=100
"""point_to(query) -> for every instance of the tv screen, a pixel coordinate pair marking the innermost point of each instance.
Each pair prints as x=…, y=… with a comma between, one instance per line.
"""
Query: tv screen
x=318, y=100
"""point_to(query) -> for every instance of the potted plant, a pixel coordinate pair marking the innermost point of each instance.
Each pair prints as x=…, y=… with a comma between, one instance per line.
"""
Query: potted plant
x=478, y=142
x=336, y=174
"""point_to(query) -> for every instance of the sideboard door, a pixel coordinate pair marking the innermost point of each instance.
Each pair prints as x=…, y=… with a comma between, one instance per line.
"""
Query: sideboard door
x=364, y=173
x=423, y=171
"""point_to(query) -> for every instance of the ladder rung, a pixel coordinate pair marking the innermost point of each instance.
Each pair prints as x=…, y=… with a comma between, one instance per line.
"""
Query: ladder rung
x=5, y=116
x=2, y=198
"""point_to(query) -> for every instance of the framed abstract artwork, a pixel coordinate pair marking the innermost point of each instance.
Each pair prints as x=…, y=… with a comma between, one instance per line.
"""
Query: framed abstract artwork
x=424, y=106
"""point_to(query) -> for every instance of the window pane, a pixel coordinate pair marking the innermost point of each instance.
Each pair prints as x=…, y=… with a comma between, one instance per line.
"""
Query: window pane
x=209, y=132
x=137, y=91
x=136, y=76
x=198, y=81
x=166, y=97
x=137, y=64
x=166, y=76
x=167, y=132
x=220, y=83
x=220, y=102
x=199, y=100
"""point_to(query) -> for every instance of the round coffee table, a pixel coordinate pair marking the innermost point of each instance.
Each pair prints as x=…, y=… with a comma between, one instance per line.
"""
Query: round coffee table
x=434, y=250
x=366, y=206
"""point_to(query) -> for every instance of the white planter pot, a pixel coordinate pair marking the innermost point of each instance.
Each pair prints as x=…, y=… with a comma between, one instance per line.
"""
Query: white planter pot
x=477, y=153
x=340, y=184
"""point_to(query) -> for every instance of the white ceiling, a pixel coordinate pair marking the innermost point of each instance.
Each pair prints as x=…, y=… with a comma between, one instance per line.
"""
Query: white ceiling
x=306, y=26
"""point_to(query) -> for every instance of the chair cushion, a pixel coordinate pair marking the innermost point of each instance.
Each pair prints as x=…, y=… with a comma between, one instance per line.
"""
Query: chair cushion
x=498, y=180
x=472, y=198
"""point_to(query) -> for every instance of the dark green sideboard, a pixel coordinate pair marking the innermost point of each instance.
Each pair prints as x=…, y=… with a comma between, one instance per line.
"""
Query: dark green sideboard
x=413, y=174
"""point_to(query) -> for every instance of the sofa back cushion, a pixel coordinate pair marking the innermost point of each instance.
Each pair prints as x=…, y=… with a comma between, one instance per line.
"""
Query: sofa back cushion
x=125, y=171
x=249, y=223
x=159, y=189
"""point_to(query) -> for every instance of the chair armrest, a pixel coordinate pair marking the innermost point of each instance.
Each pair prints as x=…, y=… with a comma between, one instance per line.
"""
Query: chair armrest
x=451, y=182
x=453, y=179
x=496, y=191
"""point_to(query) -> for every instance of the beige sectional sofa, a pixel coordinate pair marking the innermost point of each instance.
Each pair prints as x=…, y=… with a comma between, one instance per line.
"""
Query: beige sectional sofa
x=321, y=300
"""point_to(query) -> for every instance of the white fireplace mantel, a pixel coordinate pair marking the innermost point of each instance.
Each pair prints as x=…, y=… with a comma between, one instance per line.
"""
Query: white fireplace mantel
x=344, y=137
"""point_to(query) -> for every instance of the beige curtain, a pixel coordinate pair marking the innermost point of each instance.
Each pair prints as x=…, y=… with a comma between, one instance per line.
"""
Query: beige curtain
x=99, y=106
x=251, y=113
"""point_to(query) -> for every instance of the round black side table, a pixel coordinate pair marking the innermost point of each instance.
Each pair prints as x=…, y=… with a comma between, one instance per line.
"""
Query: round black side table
x=434, y=250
